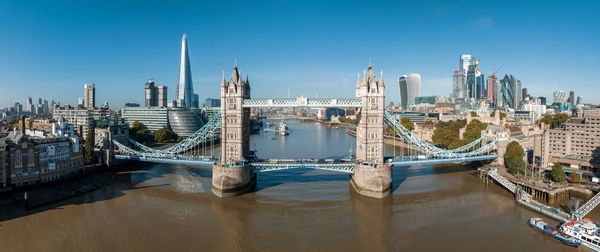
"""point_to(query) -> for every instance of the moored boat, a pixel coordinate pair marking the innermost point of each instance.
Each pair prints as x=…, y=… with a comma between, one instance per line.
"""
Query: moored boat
x=283, y=129
x=585, y=230
x=541, y=225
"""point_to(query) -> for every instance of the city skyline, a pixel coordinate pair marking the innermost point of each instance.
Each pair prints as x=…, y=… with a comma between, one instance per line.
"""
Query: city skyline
x=293, y=53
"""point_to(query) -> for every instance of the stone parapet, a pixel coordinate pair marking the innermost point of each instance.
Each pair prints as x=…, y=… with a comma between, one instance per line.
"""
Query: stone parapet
x=372, y=181
x=228, y=181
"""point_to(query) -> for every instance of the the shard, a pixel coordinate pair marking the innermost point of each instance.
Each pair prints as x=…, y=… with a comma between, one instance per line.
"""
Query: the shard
x=185, y=89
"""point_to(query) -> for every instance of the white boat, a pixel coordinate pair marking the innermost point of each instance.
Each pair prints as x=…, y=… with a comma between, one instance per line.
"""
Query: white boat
x=542, y=226
x=283, y=129
x=585, y=230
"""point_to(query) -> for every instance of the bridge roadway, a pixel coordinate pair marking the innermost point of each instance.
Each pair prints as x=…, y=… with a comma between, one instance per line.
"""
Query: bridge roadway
x=264, y=165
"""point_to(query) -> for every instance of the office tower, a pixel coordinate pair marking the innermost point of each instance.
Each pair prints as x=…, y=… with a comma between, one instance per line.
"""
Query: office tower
x=491, y=88
x=542, y=100
x=40, y=100
x=579, y=100
x=511, y=92
x=89, y=95
x=459, y=86
x=524, y=94
x=210, y=102
x=410, y=86
x=80, y=102
x=162, y=96
x=469, y=82
x=571, y=98
x=46, y=107
x=151, y=94
x=185, y=90
x=18, y=108
x=559, y=97
x=195, y=101
x=29, y=107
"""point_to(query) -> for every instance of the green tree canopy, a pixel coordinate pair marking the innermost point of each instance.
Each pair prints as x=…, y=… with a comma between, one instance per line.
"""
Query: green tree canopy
x=555, y=120
x=407, y=123
x=447, y=133
x=164, y=135
x=513, y=157
x=348, y=120
x=558, y=174
x=89, y=147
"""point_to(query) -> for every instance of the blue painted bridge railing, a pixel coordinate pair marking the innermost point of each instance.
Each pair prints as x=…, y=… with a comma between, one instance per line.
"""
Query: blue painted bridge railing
x=428, y=160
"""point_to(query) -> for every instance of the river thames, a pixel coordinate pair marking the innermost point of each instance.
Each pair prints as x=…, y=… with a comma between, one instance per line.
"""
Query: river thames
x=171, y=208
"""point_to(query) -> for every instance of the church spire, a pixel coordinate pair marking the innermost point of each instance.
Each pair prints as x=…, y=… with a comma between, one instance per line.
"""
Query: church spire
x=223, y=82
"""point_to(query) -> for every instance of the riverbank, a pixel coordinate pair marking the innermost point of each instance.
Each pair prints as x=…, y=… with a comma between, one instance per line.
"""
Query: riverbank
x=548, y=192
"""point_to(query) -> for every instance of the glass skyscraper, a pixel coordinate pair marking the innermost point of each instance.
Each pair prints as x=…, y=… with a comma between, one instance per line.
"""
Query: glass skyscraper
x=468, y=81
x=184, y=94
x=410, y=87
x=511, y=92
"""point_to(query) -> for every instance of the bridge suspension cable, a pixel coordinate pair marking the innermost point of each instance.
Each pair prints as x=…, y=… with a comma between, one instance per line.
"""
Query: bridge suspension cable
x=200, y=136
x=431, y=149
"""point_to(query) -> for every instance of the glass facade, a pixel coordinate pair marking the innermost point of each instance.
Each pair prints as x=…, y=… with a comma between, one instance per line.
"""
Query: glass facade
x=410, y=87
x=184, y=122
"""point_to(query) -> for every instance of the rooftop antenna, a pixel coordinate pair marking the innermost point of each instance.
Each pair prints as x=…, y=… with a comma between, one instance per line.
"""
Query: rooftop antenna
x=317, y=93
x=288, y=92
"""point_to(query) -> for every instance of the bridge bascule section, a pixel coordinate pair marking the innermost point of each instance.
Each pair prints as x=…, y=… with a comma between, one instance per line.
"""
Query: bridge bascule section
x=371, y=174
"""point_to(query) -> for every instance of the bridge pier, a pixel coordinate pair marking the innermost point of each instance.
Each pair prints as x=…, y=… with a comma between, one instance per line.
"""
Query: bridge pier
x=228, y=181
x=372, y=181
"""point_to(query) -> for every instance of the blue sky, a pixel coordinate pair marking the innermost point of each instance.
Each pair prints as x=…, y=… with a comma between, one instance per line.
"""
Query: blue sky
x=50, y=49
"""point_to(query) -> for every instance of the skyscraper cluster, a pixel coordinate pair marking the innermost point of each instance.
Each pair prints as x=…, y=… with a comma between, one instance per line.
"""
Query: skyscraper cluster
x=469, y=83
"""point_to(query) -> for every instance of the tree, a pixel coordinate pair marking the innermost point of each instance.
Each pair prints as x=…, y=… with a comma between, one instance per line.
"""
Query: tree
x=407, y=123
x=555, y=120
x=139, y=132
x=89, y=147
x=474, y=114
x=558, y=174
x=447, y=133
x=574, y=177
x=513, y=157
x=164, y=135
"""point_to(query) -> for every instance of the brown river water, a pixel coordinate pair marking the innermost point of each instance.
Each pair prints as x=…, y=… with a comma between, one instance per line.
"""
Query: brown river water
x=160, y=207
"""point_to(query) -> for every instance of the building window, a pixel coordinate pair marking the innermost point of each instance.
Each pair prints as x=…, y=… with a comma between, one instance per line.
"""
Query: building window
x=18, y=159
x=30, y=158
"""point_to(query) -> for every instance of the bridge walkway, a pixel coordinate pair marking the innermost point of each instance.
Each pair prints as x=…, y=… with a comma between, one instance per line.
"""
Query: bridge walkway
x=588, y=206
x=525, y=199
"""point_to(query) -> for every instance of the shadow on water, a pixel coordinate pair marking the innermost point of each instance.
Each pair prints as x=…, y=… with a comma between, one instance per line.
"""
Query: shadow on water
x=301, y=175
x=400, y=174
x=127, y=177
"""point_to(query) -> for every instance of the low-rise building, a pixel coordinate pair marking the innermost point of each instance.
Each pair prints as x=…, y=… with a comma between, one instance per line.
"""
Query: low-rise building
x=34, y=160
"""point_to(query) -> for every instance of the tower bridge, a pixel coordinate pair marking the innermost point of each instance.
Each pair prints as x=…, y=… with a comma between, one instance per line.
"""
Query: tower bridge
x=234, y=171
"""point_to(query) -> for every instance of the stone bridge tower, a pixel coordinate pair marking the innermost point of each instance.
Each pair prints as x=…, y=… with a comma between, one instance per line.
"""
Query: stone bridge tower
x=372, y=177
x=233, y=176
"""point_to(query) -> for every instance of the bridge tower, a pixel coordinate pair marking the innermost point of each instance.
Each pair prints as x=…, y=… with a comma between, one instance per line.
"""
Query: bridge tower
x=372, y=177
x=232, y=176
